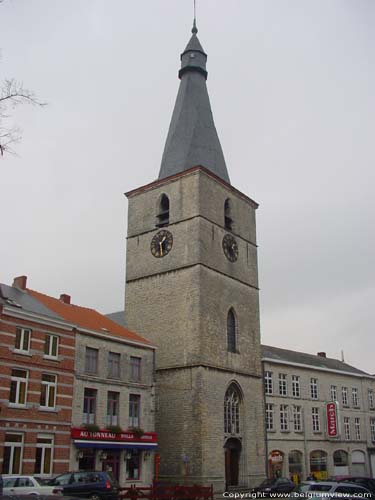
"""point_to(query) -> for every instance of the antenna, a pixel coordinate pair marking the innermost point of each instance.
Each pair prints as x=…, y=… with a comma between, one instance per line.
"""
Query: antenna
x=342, y=355
x=195, y=29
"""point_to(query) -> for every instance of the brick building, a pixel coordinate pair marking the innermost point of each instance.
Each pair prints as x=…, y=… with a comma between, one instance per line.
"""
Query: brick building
x=36, y=384
x=320, y=415
x=113, y=404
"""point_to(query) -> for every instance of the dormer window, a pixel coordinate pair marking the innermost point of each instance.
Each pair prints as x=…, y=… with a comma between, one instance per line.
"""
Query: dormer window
x=162, y=219
x=228, y=220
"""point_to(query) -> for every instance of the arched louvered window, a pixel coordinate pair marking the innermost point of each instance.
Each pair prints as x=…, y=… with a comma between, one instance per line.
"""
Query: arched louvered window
x=228, y=219
x=232, y=403
x=231, y=331
x=163, y=211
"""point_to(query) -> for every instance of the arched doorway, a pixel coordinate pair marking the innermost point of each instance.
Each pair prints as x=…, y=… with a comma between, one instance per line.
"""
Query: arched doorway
x=318, y=465
x=275, y=464
x=232, y=449
x=340, y=463
x=358, y=463
x=295, y=466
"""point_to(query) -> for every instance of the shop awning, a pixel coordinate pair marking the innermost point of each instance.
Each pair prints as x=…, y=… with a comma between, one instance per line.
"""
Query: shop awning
x=110, y=445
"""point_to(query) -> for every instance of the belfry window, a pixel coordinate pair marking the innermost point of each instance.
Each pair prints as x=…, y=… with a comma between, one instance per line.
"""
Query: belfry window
x=163, y=212
x=232, y=410
x=228, y=220
x=231, y=331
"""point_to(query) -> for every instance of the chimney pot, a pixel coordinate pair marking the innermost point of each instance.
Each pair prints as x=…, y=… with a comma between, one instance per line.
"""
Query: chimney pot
x=20, y=282
x=65, y=298
x=322, y=354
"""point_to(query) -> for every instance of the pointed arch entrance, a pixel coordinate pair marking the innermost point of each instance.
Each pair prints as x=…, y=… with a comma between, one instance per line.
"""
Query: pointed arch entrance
x=232, y=449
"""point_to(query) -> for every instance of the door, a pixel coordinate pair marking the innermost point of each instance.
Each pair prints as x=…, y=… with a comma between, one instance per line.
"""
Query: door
x=112, y=464
x=232, y=461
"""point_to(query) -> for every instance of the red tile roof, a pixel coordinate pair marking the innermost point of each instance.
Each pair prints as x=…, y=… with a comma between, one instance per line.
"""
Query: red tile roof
x=87, y=318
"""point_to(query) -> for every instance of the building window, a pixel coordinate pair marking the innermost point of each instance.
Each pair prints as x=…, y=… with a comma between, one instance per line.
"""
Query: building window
x=315, y=419
x=355, y=397
x=283, y=389
x=91, y=360
x=268, y=383
x=372, y=429
x=23, y=336
x=135, y=369
x=347, y=428
x=114, y=359
x=89, y=406
x=133, y=464
x=314, y=388
x=370, y=395
x=162, y=218
x=232, y=410
x=48, y=391
x=284, y=417
x=43, y=455
x=269, y=417
x=12, y=455
x=344, y=395
x=228, y=220
x=18, y=388
x=113, y=404
x=297, y=418
x=333, y=393
x=296, y=391
x=357, y=427
x=51, y=346
x=134, y=410
x=231, y=331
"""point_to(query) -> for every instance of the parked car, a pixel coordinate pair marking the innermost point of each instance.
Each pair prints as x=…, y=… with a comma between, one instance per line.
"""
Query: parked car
x=26, y=485
x=367, y=482
x=96, y=485
x=277, y=485
x=332, y=489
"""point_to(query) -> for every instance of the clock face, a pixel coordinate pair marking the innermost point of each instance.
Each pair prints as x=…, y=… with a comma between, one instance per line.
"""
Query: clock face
x=161, y=243
x=230, y=248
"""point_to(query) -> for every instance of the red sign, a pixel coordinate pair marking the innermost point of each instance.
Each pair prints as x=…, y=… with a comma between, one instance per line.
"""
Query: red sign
x=331, y=409
x=104, y=435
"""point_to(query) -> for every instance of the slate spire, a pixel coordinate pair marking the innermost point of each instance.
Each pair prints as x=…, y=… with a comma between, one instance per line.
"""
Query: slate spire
x=192, y=138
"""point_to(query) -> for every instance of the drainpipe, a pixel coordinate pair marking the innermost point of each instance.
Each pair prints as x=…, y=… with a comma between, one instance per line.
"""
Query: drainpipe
x=307, y=468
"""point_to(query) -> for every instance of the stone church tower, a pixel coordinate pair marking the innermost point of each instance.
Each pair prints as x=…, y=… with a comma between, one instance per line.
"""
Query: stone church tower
x=192, y=289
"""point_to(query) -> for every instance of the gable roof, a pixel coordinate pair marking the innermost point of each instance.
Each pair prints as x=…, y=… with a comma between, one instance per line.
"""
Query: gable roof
x=14, y=297
x=302, y=358
x=88, y=319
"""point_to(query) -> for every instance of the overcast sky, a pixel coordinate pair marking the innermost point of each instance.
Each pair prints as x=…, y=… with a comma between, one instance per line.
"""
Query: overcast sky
x=292, y=90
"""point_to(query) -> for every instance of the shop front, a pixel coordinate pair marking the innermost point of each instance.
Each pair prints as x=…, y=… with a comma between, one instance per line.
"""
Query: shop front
x=128, y=456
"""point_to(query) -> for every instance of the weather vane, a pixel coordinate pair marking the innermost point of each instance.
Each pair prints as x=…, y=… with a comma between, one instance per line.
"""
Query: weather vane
x=195, y=29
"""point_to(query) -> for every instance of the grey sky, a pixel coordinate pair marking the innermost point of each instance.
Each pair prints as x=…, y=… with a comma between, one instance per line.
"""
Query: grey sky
x=292, y=90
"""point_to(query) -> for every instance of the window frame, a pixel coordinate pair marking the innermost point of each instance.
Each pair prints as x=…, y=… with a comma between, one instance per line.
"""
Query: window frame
x=134, y=410
x=44, y=447
x=91, y=358
x=370, y=397
x=113, y=408
x=232, y=331
x=270, y=417
x=355, y=398
x=346, y=421
x=49, y=346
x=333, y=392
x=22, y=331
x=344, y=396
x=19, y=381
x=284, y=418
x=372, y=429
x=297, y=418
x=315, y=418
x=114, y=365
x=268, y=382
x=357, y=428
x=89, y=400
x=48, y=387
x=232, y=401
x=13, y=445
x=296, y=386
x=135, y=368
x=283, y=384
x=314, y=391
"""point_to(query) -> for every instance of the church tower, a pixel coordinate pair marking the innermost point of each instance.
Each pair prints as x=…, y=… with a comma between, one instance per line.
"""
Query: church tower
x=192, y=289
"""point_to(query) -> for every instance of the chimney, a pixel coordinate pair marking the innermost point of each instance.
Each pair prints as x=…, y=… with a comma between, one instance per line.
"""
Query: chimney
x=322, y=354
x=65, y=298
x=20, y=282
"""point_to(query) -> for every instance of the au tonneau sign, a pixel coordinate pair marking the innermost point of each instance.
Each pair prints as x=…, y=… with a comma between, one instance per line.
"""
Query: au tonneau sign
x=332, y=419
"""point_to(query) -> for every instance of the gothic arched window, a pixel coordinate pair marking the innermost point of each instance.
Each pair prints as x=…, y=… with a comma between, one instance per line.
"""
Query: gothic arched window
x=228, y=220
x=232, y=403
x=231, y=331
x=163, y=211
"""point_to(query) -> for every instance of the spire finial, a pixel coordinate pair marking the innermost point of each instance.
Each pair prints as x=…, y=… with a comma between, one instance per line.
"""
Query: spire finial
x=194, y=29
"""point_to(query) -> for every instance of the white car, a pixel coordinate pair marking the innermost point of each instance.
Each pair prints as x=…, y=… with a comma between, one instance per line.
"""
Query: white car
x=27, y=485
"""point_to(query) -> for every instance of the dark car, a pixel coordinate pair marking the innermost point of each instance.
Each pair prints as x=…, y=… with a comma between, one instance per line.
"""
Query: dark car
x=96, y=485
x=277, y=485
x=366, y=482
